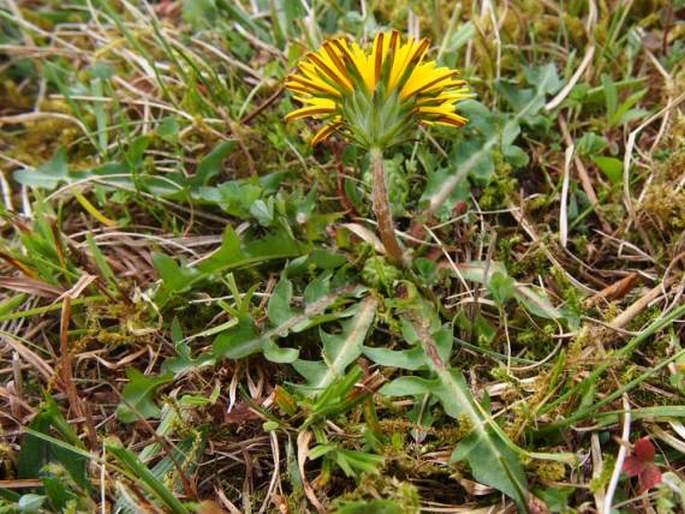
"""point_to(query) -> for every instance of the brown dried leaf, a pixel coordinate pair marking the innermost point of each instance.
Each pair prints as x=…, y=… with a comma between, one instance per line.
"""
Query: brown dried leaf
x=615, y=291
x=31, y=286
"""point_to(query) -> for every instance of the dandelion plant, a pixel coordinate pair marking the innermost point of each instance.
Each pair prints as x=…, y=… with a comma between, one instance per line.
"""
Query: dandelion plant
x=377, y=97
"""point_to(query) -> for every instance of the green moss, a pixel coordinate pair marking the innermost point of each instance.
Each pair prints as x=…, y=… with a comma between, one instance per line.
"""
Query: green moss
x=548, y=471
x=663, y=205
x=497, y=193
x=538, y=203
x=365, y=497
x=585, y=336
x=600, y=482
x=8, y=461
x=537, y=343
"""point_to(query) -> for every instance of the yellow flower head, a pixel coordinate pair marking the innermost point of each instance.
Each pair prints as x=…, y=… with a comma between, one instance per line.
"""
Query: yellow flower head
x=376, y=96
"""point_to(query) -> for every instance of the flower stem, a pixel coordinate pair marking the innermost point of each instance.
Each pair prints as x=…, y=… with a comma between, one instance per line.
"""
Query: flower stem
x=381, y=208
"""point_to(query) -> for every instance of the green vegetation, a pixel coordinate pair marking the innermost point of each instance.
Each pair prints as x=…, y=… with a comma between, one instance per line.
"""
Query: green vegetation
x=197, y=311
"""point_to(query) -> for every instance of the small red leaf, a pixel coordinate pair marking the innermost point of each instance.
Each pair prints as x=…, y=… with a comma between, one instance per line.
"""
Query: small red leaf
x=650, y=477
x=644, y=449
x=633, y=466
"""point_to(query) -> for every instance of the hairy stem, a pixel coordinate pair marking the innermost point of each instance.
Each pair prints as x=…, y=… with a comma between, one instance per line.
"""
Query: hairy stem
x=381, y=208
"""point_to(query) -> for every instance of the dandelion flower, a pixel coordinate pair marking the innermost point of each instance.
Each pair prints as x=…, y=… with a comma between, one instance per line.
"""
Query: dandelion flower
x=376, y=96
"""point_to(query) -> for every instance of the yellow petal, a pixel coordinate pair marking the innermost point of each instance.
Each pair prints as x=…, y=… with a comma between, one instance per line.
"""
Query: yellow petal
x=310, y=80
x=378, y=55
x=334, y=54
x=426, y=78
x=364, y=65
x=326, y=67
x=400, y=62
x=440, y=117
x=451, y=95
x=326, y=131
x=309, y=111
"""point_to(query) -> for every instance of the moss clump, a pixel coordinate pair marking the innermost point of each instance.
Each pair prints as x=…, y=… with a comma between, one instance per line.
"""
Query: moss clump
x=536, y=342
x=545, y=27
x=548, y=471
x=602, y=480
x=663, y=205
x=11, y=97
x=499, y=190
x=402, y=495
x=8, y=461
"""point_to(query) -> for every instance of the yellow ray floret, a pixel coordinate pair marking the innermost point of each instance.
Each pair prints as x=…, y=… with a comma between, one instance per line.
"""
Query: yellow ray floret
x=314, y=106
x=350, y=87
x=333, y=126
